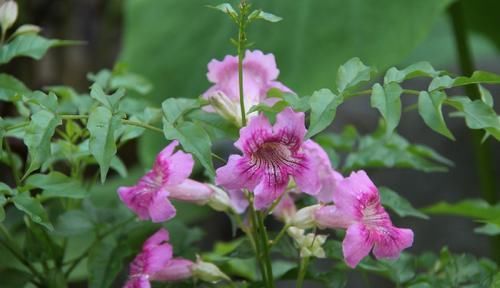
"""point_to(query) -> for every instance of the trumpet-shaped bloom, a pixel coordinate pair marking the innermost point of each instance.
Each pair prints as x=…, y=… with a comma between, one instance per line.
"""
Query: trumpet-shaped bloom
x=155, y=262
x=328, y=177
x=271, y=155
x=357, y=208
x=259, y=75
x=149, y=198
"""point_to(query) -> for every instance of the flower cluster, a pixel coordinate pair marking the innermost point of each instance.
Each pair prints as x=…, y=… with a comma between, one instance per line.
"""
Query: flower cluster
x=277, y=164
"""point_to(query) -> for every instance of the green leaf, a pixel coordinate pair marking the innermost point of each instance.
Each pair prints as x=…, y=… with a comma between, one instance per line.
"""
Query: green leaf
x=388, y=102
x=490, y=229
x=74, y=222
x=109, y=101
x=472, y=208
x=441, y=83
x=415, y=70
x=225, y=8
x=174, y=108
x=323, y=108
x=39, y=246
x=194, y=139
x=429, y=108
x=478, y=77
x=12, y=89
x=37, y=137
x=258, y=14
x=296, y=102
x=352, y=73
x=105, y=261
x=344, y=141
x=102, y=126
x=398, y=204
x=132, y=82
x=486, y=96
x=3, y=200
x=32, y=46
x=32, y=208
x=12, y=277
x=56, y=184
x=478, y=115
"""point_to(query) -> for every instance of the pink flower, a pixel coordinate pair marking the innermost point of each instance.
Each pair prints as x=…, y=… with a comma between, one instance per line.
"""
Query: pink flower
x=357, y=208
x=149, y=198
x=259, y=75
x=271, y=155
x=285, y=209
x=328, y=177
x=155, y=262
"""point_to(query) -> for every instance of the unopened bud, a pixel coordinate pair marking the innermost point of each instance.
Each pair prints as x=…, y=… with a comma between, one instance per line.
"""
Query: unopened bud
x=26, y=29
x=304, y=218
x=310, y=245
x=219, y=200
x=207, y=271
x=225, y=107
x=8, y=14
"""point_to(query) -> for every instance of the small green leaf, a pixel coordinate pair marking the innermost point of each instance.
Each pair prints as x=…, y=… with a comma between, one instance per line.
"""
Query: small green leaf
x=56, y=184
x=398, y=204
x=412, y=71
x=102, y=126
x=48, y=102
x=486, y=96
x=388, y=102
x=258, y=14
x=11, y=89
x=74, y=222
x=472, y=208
x=174, y=108
x=352, y=73
x=37, y=137
x=478, y=77
x=32, y=208
x=194, y=139
x=429, y=108
x=296, y=102
x=3, y=200
x=478, y=115
x=130, y=81
x=490, y=229
x=441, y=83
x=109, y=101
x=323, y=108
x=105, y=261
x=32, y=46
x=225, y=8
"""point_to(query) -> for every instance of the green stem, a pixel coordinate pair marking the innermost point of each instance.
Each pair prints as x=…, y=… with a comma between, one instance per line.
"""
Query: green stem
x=257, y=240
x=12, y=164
x=482, y=151
x=142, y=125
x=265, y=247
x=369, y=92
x=241, y=49
x=302, y=271
x=280, y=235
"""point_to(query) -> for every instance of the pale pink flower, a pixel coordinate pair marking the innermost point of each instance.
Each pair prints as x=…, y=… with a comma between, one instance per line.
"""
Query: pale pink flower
x=259, y=75
x=328, y=177
x=155, y=263
x=271, y=155
x=149, y=198
x=357, y=208
x=285, y=209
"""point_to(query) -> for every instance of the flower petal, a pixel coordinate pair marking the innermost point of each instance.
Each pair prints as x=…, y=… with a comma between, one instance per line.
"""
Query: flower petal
x=156, y=258
x=267, y=191
x=174, y=166
x=137, y=198
x=238, y=200
x=156, y=239
x=141, y=281
x=332, y=217
x=218, y=70
x=261, y=64
x=390, y=243
x=161, y=209
x=291, y=128
x=175, y=269
x=357, y=244
x=306, y=176
x=238, y=173
x=252, y=136
x=190, y=191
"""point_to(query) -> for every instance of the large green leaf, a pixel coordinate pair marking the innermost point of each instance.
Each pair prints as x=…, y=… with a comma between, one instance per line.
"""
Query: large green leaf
x=478, y=115
x=387, y=100
x=32, y=46
x=37, y=137
x=56, y=184
x=102, y=126
x=176, y=61
x=476, y=209
x=323, y=108
x=415, y=70
x=429, y=108
x=32, y=208
x=11, y=88
x=105, y=261
x=352, y=73
x=398, y=204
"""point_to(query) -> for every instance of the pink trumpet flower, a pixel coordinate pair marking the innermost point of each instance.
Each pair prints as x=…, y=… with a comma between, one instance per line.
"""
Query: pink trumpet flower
x=271, y=155
x=259, y=75
x=155, y=263
x=149, y=198
x=357, y=208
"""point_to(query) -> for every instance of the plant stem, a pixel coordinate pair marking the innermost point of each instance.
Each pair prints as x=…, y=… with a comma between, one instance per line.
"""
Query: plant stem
x=142, y=125
x=12, y=164
x=257, y=240
x=482, y=151
x=241, y=47
x=265, y=247
x=302, y=272
x=279, y=236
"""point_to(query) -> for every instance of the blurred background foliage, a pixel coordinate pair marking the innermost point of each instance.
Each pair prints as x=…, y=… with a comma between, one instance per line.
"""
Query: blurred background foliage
x=170, y=43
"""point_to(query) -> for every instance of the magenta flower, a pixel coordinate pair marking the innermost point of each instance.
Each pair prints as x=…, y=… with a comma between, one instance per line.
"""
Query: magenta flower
x=271, y=155
x=357, y=208
x=155, y=262
x=328, y=177
x=259, y=75
x=149, y=198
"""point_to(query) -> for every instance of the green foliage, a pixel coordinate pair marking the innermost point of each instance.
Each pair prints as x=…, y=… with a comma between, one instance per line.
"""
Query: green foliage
x=415, y=70
x=323, y=107
x=11, y=88
x=388, y=102
x=56, y=184
x=398, y=204
x=429, y=108
x=352, y=73
x=33, y=209
x=105, y=262
x=32, y=46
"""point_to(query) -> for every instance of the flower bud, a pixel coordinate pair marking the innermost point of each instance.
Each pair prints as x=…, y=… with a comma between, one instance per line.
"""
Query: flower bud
x=8, y=14
x=304, y=218
x=310, y=245
x=27, y=29
x=219, y=200
x=225, y=107
x=207, y=271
